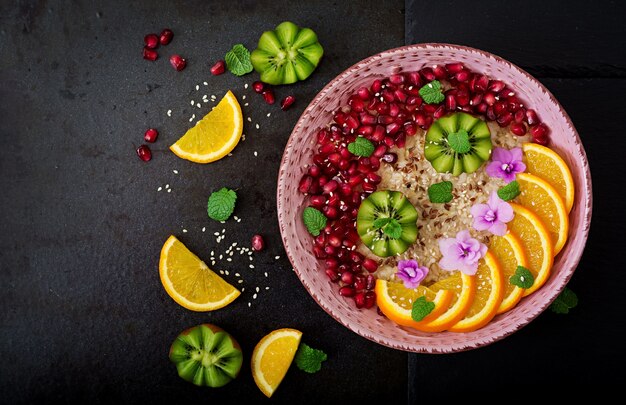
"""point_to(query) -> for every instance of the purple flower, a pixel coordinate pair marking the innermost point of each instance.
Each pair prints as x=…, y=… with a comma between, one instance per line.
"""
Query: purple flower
x=505, y=164
x=411, y=273
x=492, y=216
x=461, y=253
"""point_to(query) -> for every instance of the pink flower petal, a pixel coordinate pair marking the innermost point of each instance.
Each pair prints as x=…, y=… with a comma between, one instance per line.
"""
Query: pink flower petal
x=505, y=212
x=448, y=246
x=516, y=154
x=463, y=235
x=470, y=270
x=479, y=210
x=501, y=155
x=449, y=263
x=498, y=228
x=493, y=169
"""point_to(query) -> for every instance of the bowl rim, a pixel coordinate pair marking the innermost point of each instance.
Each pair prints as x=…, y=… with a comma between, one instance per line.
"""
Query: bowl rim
x=567, y=273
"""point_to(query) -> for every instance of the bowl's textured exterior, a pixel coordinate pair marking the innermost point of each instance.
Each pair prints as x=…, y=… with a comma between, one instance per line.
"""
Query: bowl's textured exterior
x=300, y=149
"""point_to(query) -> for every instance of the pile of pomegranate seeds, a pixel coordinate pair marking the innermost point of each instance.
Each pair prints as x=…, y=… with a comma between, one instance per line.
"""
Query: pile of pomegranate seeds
x=386, y=113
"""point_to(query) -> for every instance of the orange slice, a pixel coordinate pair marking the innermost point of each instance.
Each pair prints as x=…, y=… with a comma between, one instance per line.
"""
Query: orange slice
x=464, y=288
x=488, y=297
x=510, y=253
x=545, y=163
x=190, y=282
x=272, y=357
x=537, y=243
x=540, y=197
x=215, y=135
x=396, y=302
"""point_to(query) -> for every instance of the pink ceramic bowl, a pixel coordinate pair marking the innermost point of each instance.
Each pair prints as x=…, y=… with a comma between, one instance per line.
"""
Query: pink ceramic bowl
x=300, y=149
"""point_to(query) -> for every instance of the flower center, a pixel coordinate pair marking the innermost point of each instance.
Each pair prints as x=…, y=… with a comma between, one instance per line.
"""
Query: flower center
x=506, y=167
x=490, y=216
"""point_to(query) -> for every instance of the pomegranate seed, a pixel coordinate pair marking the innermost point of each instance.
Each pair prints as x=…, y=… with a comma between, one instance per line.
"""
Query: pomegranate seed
x=374, y=163
x=393, y=128
x=359, y=300
x=305, y=184
x=462, y=76
x=151, y=41
x=385, y=119
x=258, y=88
x=413, y=101
x=518, y=129
x=151, y=135
x=323, y=136
x=355, y=180
x=462, y=98
x=347, y=277
x=388, y=95
x=218, y=68
x=314, y=170
x=373, y=178
x=352, y=122
x=287, y=102
x=394, y=110
x=440, y=72
x=396, y=79
x=379, y=133
x=149, y=54
x=363, y=93
x=489, y=98
x=166, y=36
x=450, y=102
x=495, y=86
x=376, y=86
x=365, y=130
x=481, y=108
x=367, y=119
x=368, y=188
x=410, y=128
x=519, y=115
x=539, y=131
x=491, y=115
x=318, y=201
x=454, y=68
x=499, y=108
x=332, y=275
x=370, y=299
x=345, y=189
x=400, y=140
x=319, y=252
x=505, y=119
x=356, y=103
x=320, y=239
x=390, y=157
x=370, y=265
x=334, y=158
x=531, y=117
x=428, y=74
x=339, y=118
x=439, y=112
x=506, y=93
x=268, y=96
x=415, y=79
x=481, y=83
x=346, y=291
x=330, y=186
x=334, y=240
x=360, y=282
x=258, y=243
x=333, y=201
x=542, y=141
x=330, y=212
x=370, y=282
x=178, y=62
x=331, y=263
x=144, y=153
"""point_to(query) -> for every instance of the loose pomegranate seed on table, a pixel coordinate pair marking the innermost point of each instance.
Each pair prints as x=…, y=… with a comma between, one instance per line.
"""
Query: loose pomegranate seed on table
x=178, y=62
x=151, y=135
x=166, y=36
x=144, y=153
x=150, y=54
x=287, y=103
x=268, y=96
x=258, y=243
x=151, y=41
x=218, y=68
x=258, y=87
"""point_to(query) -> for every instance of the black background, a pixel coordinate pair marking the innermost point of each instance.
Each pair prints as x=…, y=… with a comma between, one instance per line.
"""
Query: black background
x=83, y=316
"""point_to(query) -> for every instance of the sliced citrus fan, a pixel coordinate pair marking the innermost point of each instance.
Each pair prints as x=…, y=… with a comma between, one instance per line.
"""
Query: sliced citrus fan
x=488, y=297
x=215, y=135
x=541, y=198
x=272, y=357
x=396, y=302
x=547, y=164
x=510, y=254
x=537, y=243
x=464, y=289
x=189, y=281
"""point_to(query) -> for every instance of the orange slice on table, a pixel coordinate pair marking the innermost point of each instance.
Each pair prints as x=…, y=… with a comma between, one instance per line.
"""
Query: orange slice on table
x=272, y=357
x=540, y=197
x=215, y=135
x=488, y=297
x=537, y=243
x=510, y=253
x=545, y=163
x=464, y=289
x=190, y=282
x=396, y=302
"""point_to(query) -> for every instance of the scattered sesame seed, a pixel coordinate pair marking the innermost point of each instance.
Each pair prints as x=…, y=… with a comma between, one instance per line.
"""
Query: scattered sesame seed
x=198, y=105
x=228, y=259
x=265, y=274
x=277, y=257
x=268, y=114
x=255, y=154
x=169, y=113
x=243, y=97
x=267, y=288
x=223, y=230
x=240, y=281
x=254, y=296
x=239, y=220
x=246, y=104
x=221, y=271
x=252, y=266
x=257, y=126
x=169, y=190
x=249, y=304
x=197, y=87
x=205, y=83
x=257, y=289
x=216, y=234
x=212, y=262
x=184, y=231
x=167, y=186
x=249, y=119
x=245, y=86
x=235, y=216
x=203, y=228
x=221, y=257
x=192, y=102
x=226, y=271
x=243, y=288
x=175, y=171
x=160, y=188
x=205, y=100
x=237, y=275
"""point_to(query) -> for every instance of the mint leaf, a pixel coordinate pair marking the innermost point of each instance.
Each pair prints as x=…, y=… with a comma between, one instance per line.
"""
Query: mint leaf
x=314, y=220
x=431, y=93
x=440, y=193
x=238, y=60
x=361, y=147
x=309, y=359
x=221, y=204
x=393, y=229
x=564, y=302
x=522, y=278
x=381, y=222
x=459, y=141
x=421, y=308
x=510, y=191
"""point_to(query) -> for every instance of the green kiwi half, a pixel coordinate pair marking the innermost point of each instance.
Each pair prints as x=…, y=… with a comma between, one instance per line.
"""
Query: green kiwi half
x=206, y=355
x=386, y=204
x=454, y=157
x=287, y=54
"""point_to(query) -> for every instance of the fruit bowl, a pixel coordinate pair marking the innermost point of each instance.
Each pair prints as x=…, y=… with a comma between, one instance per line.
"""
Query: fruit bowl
x=300, y=149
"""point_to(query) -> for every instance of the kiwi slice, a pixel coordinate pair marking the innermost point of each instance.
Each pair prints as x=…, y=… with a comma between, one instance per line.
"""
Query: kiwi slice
x=386, y=223
x=287, y=54
x=458, y=143
x=207, y=356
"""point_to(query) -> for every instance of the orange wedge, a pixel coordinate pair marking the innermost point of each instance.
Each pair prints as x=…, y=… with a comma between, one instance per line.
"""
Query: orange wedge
x=189, y=281
x=541, y=198
x=545, y=163
x=488, y=297
x=272, y=357
x=464, y=289
x=215, y=135
x=396, y=302
x=536, y=241
x=510, y=253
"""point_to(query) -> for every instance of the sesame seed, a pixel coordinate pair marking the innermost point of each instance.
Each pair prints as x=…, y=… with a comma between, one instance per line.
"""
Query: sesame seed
x=277, y=257
x=212, y=262
x=205, y=100
x=237, y=275
x=245, y=86
x=240, y=281
x=175, y=171
x=249, y=119
x=243, y=288
x=203, y=228
x=198, y=105
x=235, y=216
x=228, y=259
x=192, y=102
x=223, y=230
x=268, y=114
x=226, y=271
x=243, y=97
x=221, y=271
x=249, y=304
x=254, y=296
x=267, y=288
x=246, y=104
x=265, y=274
x=205, y=83
x=239, y=220
x=160, y=188
x=255, y=154
x=216, y=233
x=197, y=87
x=169, y=190
x=167, y=186
x=169, y=113
x=252, y=266
x=257, y=289
x=221, y=257
x=257, y=126
x=184, y=231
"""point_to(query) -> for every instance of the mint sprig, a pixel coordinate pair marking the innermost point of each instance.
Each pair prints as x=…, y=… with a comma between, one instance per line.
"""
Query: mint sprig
x=221, y=204
x=314, y=220
x=440, y=193
x=522, y=278
x=564, y=302
x=431, y=93
x=238, y=60
x=510, y=191
x=459, y=141
x=309, y=359
x=421, y=308
x=361, y=147
x=390, y=227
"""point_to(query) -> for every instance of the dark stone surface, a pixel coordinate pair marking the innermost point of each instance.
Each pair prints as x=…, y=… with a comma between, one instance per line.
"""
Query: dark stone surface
x=83, y=315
